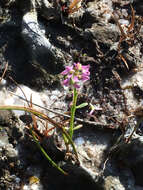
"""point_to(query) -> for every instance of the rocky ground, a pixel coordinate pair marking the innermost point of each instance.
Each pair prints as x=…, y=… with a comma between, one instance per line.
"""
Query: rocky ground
x=37, y=39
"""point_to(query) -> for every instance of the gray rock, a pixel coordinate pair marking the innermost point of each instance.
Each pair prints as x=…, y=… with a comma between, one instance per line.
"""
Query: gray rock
x=131, y=155
x=113, y=183
x=5, y=117
x=40, y=48
x=10, y=151
x=3, y=138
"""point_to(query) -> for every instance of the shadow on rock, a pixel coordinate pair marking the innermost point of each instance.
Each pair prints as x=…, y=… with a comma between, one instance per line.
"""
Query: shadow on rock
x=76, y=179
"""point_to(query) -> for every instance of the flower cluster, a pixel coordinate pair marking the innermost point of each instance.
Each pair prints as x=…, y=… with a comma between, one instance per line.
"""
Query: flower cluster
x=75, y=74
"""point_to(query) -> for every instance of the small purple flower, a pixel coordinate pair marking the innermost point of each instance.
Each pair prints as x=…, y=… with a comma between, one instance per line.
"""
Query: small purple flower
x=67, y=70
x=76, y=74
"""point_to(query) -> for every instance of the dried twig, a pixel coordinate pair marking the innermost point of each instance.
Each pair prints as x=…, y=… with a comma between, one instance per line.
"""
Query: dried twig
x=128, y=36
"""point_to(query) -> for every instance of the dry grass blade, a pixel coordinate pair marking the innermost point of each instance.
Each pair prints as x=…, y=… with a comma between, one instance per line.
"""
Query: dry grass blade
x=6, y=66
x=132, y=20
x=124, y=60
x=123, y=34
x=28, y=102
x=127, y=36
x=74, y=6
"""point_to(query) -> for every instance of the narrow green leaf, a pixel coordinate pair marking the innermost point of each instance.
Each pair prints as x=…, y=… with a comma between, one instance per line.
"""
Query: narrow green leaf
x=82, y=105
x=46, y=155
x=77, y=127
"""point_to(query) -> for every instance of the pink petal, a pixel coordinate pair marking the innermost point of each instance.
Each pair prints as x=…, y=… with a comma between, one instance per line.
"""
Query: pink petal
x=86, y=73
x=76, y=85
x=91, y=112
x=85, y=77
x=67, y=70
x=85, y=67
x=75, y=79
x=66, y=82
x=69, y=76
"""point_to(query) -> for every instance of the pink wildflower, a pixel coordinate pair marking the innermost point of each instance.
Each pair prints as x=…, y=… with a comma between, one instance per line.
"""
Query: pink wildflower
x=76, y=74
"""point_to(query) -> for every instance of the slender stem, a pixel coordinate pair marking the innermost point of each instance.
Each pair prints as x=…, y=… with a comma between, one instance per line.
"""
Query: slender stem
x=73, y=109
x=46, y=155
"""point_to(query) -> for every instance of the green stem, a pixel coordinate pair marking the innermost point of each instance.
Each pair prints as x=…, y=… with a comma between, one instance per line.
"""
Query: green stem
x=46, y=155
x=73, y=109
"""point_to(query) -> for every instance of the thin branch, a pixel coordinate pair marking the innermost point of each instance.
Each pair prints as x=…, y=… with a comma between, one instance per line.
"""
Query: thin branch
x=28, y=102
